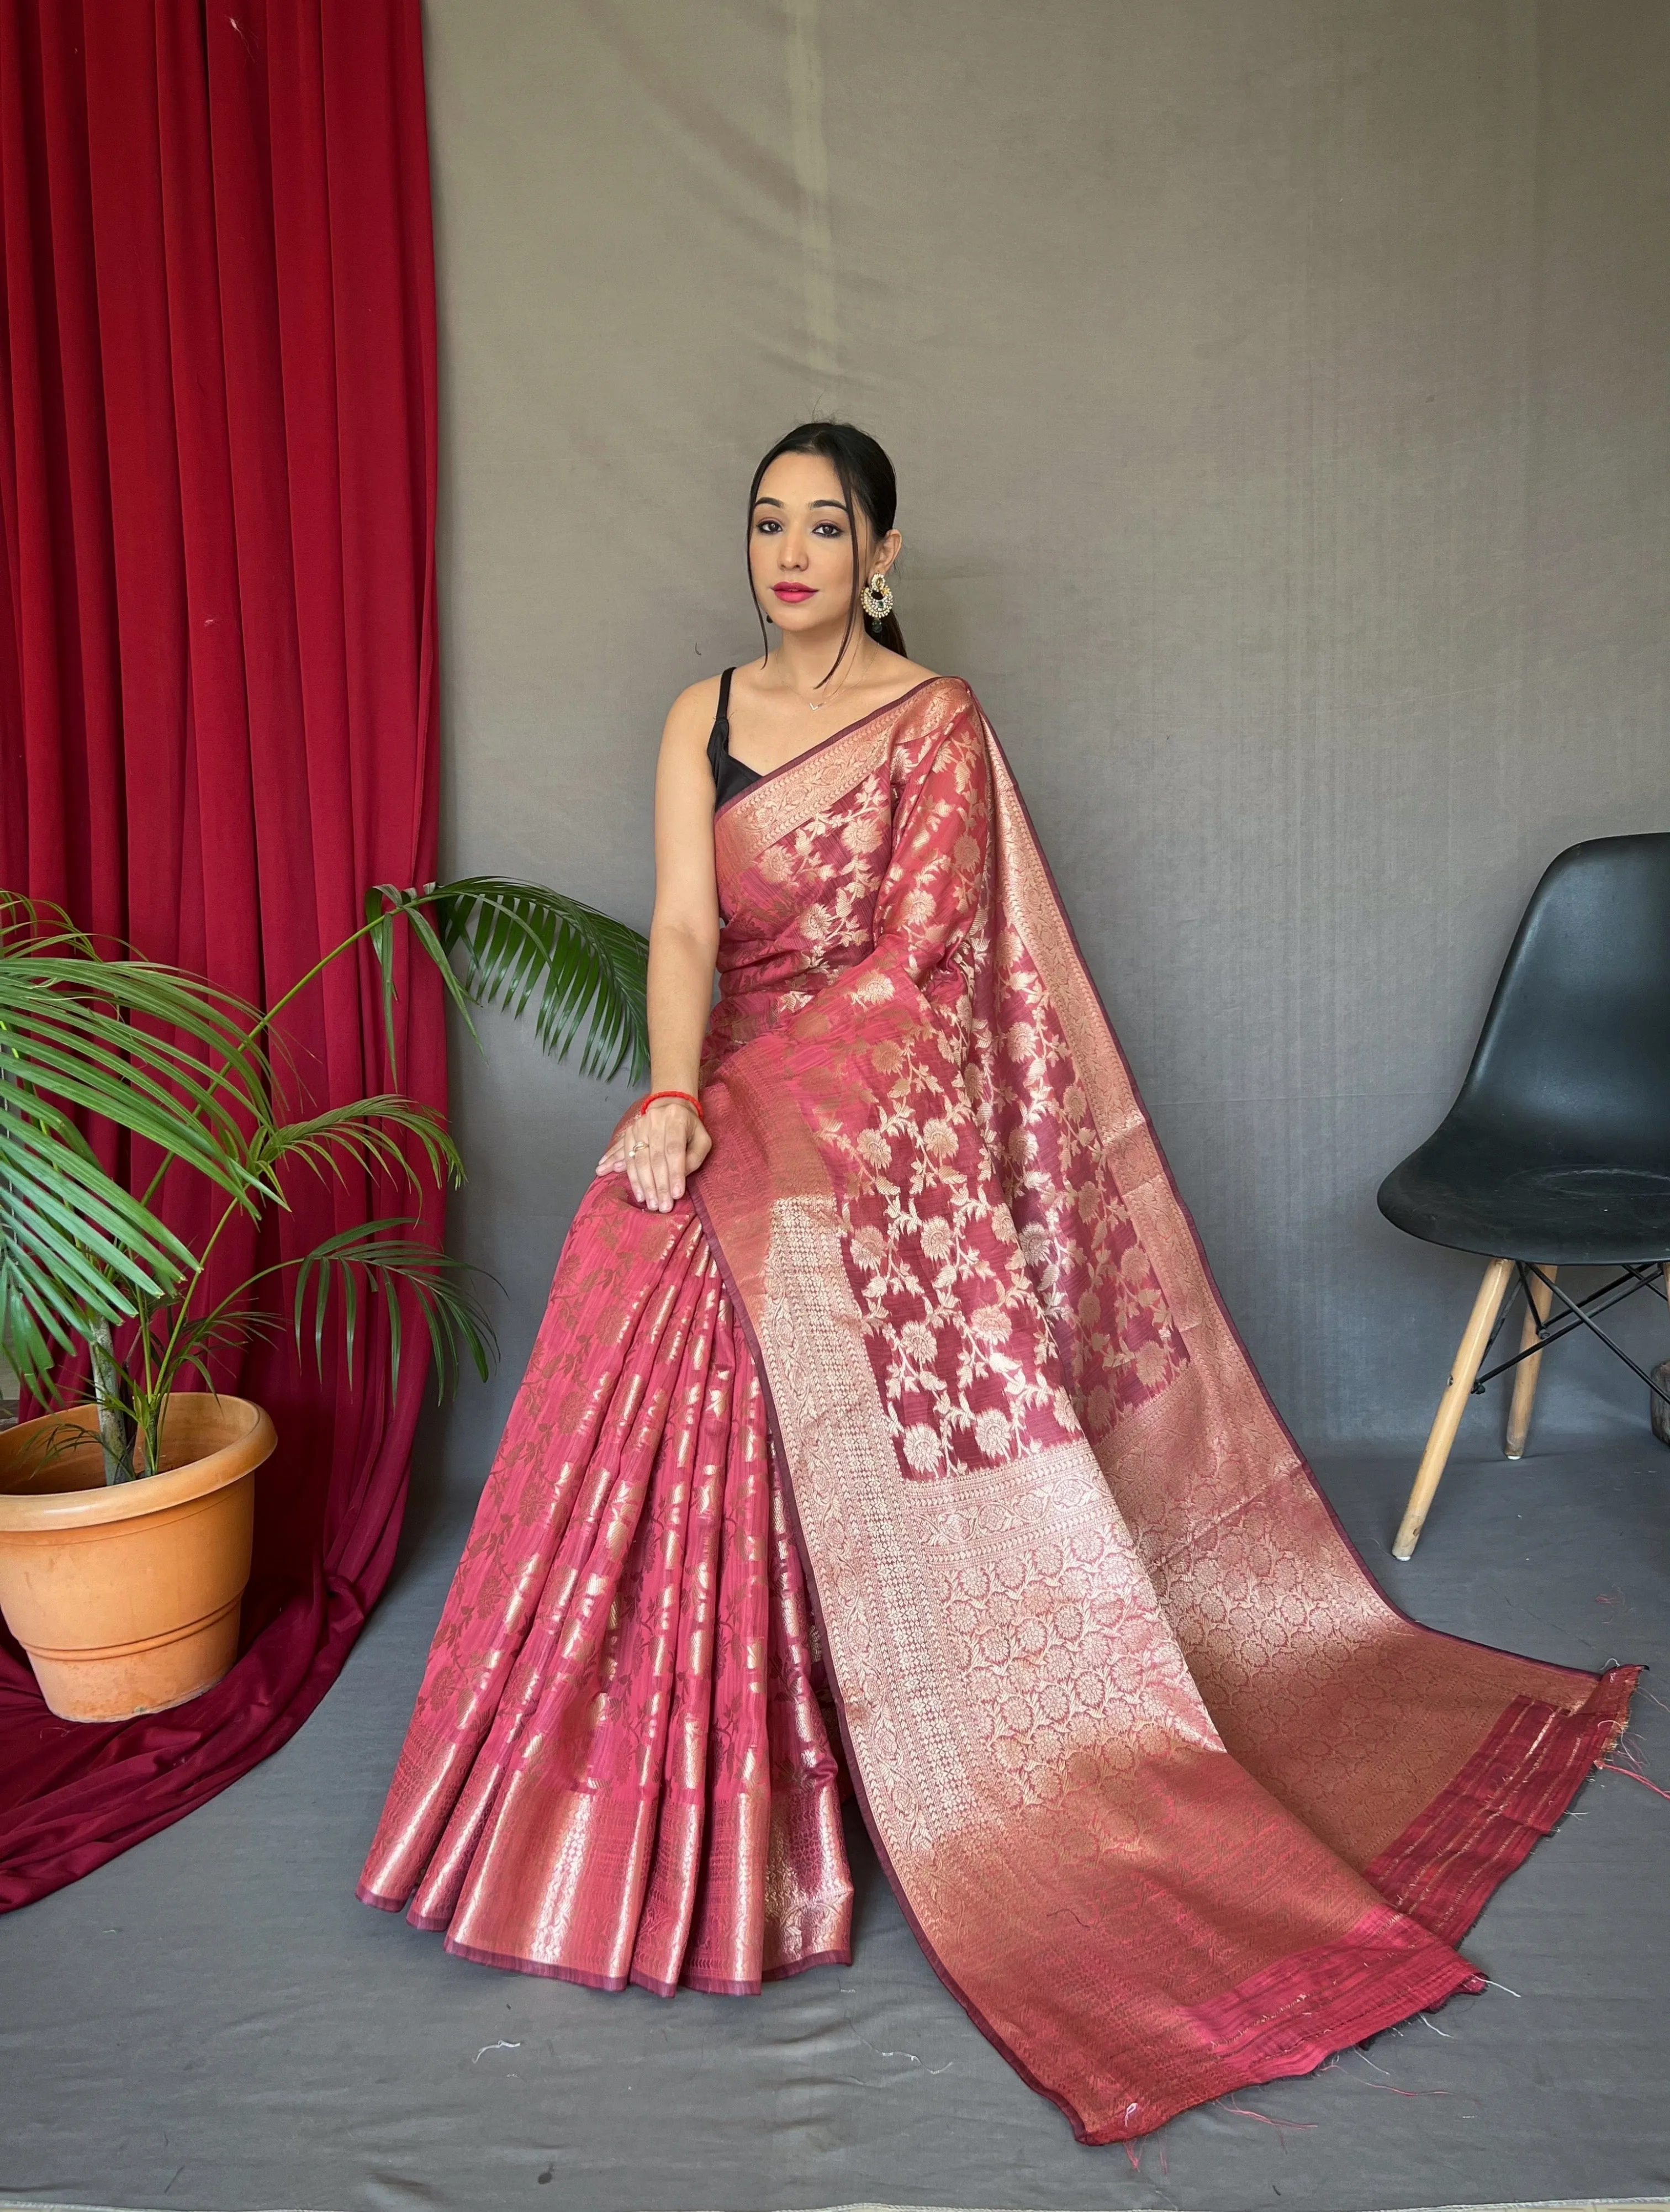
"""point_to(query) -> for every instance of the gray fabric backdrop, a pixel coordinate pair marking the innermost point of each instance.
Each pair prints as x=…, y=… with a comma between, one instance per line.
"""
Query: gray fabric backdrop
x=1278, y=391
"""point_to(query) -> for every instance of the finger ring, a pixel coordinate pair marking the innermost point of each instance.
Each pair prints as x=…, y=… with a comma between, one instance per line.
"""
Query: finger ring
x=634, y=1148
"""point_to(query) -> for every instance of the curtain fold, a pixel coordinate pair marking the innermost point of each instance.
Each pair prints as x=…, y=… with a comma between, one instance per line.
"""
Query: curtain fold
x=218, y=695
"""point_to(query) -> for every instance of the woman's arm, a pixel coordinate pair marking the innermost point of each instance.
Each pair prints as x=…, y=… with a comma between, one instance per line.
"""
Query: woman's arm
x=659, y=1150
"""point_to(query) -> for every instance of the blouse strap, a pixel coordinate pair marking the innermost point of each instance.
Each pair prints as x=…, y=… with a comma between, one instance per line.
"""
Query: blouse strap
x=722, y=728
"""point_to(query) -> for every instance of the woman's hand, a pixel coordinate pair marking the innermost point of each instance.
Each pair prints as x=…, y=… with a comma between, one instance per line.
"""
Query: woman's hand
x=658, y=1151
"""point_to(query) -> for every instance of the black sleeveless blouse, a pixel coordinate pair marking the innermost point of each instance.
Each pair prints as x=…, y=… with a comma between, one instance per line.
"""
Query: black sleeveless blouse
x=730, y=776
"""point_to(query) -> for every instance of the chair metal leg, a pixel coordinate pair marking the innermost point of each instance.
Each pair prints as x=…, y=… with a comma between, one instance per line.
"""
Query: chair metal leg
x=1452, y=1404
x=1540, y=1297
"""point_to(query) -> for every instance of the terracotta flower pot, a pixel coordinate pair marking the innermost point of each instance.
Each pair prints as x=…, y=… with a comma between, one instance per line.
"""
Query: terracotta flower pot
x=126, y=1597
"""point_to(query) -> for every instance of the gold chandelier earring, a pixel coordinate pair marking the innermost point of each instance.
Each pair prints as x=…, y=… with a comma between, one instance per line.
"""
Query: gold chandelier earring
x=878, y=597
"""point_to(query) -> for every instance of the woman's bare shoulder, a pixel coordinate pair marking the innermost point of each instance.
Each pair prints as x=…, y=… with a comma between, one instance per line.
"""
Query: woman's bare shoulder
x=690, y=717
x=905, y=674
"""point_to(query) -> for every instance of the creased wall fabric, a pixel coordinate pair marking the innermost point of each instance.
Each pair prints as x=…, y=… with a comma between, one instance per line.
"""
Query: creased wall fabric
x=1276, y=394
x=218, y=690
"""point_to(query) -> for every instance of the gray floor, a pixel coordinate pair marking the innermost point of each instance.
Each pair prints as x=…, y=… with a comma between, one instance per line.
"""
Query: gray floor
x=212, y=2021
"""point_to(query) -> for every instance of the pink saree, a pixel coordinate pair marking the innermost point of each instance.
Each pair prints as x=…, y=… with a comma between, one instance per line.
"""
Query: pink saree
x=927, y=1410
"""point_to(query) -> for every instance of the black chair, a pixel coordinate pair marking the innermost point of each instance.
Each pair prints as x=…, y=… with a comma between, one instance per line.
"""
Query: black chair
x=1557, y=1151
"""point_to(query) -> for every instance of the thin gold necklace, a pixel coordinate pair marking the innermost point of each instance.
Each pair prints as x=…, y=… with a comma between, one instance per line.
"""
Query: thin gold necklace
x=816, y=705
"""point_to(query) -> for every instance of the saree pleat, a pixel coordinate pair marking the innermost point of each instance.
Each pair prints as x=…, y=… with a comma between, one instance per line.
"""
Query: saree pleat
x=807, y=1888
x=576, y=1596
x=664, y=1925
x=724, y=1949
x=615, y=1821
x=925, y=1398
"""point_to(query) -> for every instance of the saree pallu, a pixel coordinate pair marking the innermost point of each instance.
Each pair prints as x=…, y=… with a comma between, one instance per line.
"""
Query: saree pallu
x=924, y=1402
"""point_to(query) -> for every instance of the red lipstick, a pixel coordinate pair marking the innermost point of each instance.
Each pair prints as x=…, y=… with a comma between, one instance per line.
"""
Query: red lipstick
x=793, y=592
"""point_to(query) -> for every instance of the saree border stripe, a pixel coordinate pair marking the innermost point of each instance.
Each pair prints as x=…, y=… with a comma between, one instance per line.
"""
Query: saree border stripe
x=803, y=759
x=750, y=824
x=1512, y=1792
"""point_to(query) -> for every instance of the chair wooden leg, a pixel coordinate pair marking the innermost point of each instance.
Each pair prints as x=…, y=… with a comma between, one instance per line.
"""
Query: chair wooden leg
x=1452, y=1404
x=1539, y=1300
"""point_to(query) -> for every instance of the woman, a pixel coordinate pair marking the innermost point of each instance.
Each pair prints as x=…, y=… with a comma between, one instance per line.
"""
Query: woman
x=881, y=1364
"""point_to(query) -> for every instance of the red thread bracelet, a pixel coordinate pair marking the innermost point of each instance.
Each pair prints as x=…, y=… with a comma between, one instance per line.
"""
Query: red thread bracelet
x=689, y=1098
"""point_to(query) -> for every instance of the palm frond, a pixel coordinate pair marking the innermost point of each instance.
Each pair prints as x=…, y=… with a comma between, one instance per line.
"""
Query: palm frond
x=521, y=943
x=159, y=1052
x=228, y=1330
x=367, y=1135
x=373, y=1261
x=55, y=949
x=173, y=1060
x=74, y=1245
x=143, y=1084
x=28, y=1351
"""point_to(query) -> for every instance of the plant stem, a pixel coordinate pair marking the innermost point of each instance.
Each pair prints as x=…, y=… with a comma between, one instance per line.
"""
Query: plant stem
x=165, y=1365
x=107, y=1390
x=317, y=968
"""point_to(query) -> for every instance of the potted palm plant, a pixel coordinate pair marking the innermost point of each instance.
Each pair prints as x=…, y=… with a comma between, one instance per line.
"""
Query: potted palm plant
x=126, y=1509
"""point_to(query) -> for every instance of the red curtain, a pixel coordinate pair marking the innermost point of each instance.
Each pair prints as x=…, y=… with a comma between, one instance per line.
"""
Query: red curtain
x=217, y=691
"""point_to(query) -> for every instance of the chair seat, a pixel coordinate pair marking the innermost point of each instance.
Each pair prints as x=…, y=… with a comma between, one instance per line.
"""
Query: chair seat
x=1465, y=1189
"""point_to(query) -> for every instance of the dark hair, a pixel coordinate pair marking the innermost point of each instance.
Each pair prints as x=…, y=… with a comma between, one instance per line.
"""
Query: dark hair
x=866, y=476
